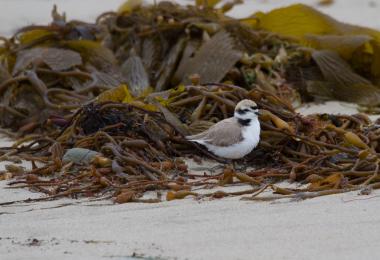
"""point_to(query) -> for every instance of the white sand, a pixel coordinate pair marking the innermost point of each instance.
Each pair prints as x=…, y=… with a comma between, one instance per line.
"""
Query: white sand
x=332, y=107
x=17, y=13
x=333, y=227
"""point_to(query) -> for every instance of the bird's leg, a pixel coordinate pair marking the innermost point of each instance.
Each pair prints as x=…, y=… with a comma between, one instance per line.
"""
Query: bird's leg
x=233, y=162
x=230, y=164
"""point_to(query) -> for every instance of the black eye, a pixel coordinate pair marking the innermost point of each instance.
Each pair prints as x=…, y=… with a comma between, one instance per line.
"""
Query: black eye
x=243, y=111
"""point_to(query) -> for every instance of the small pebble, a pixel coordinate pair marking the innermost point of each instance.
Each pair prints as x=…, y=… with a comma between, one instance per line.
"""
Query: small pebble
x=79, y=156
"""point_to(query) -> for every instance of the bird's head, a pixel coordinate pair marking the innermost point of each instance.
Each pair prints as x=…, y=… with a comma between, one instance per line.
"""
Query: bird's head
x=246, y=109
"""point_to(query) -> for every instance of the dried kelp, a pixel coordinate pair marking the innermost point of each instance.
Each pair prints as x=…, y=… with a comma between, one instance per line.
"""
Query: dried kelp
x=50, y=70
x=358, y=46
x=342, y=82
x=175, y=43
x=331, y=154
x=157, y=47
x=152, y=48
x=213, y=60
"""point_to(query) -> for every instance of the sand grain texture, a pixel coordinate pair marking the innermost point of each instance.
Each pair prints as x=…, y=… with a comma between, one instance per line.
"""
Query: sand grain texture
x=331, y=227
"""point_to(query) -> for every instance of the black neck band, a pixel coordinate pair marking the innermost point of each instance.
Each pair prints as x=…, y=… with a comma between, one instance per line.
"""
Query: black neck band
x=244, y=122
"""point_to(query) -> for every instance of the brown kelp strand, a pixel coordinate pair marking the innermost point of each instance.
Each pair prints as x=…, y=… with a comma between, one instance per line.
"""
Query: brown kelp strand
x=123, y=151
x=101, y=110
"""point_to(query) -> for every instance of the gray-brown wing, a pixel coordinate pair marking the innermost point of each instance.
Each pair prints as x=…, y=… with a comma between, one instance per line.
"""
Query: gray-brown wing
x=223, y=133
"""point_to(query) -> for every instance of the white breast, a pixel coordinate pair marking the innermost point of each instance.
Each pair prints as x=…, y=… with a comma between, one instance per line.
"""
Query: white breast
x=251, y=137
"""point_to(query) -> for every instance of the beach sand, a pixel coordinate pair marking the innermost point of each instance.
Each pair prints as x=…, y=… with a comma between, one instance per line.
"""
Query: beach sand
x=341, y=226
x=333, y=227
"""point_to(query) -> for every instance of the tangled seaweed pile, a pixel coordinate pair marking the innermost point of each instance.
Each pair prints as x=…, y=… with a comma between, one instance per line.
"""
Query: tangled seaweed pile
x=105, y=107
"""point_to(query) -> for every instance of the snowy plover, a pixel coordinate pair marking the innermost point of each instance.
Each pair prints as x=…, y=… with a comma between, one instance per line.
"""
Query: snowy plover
x=234, y=137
